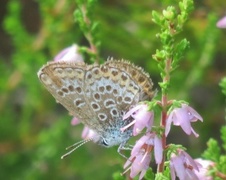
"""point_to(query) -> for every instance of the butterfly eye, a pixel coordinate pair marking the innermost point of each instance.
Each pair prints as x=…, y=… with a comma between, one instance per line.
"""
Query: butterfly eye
x=105, y=143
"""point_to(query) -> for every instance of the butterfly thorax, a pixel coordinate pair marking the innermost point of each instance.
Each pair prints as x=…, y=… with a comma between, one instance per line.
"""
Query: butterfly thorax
x=113, y=135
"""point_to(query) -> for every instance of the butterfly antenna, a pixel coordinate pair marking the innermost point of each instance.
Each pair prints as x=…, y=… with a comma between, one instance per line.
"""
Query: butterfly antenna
x=75, y=146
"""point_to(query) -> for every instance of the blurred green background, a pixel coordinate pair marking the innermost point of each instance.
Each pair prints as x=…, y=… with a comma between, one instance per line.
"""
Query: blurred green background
x=34, y=129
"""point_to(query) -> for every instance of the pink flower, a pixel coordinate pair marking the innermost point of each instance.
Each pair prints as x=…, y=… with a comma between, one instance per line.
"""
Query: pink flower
x=139, y=164
x=183, y=117
x=141, y=154
x=142, y=118
x=204, y=166
x=88, y=133
x=75, y=121
x=183, y=166
x=222, y=23
x=147, y=142
x=69, y=54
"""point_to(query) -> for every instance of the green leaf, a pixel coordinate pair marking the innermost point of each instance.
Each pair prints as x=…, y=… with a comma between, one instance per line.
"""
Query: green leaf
x=160, y=55
x=166, y=38
x=169, y=13
x=223, y=85
x=95, y=27
x=117, y=176
x=156, y=18
x=149, y=174
x=213, y=150
x=160, y=176
x=223, y=137
x=167, y=172
x=222, y=164
x=179, y=51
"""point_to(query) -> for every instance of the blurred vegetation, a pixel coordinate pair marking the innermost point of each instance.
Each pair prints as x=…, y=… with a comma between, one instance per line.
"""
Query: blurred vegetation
x=34, y=129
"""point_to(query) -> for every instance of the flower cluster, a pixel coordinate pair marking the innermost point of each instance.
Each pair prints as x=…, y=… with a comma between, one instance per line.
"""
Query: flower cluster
x=182, y=165
x=142, y=150
x=141, y=154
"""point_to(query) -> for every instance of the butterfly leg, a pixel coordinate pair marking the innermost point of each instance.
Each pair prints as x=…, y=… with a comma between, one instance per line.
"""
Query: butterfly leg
x=124, y=146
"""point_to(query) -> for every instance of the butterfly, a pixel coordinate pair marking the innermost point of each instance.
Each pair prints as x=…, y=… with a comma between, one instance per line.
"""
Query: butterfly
x=99, y=95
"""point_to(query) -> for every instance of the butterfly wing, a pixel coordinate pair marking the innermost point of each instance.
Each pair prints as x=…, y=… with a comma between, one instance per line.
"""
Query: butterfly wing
x=66, y=82
x=138, y=76
x=110, y=91
x=98, y=95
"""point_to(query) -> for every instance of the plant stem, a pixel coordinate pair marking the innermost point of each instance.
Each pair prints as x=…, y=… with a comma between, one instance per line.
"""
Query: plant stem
x=163, y=124
x=93, y=49
x=164, y=103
